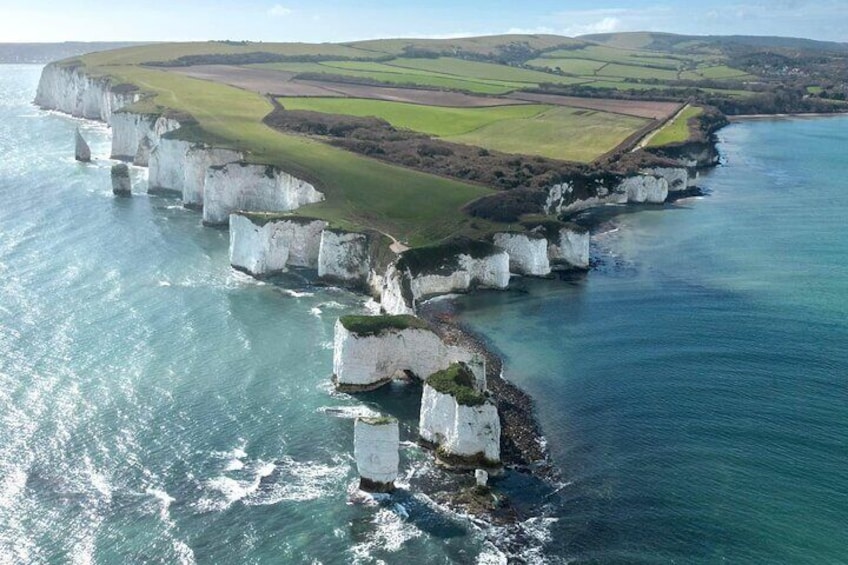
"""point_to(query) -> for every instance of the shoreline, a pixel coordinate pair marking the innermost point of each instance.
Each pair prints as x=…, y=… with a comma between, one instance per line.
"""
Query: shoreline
x=523, y=443
x=800, y=115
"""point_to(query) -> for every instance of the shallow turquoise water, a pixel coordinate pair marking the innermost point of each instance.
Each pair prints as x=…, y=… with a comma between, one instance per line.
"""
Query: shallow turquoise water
x=694, y=387
x=156, y=406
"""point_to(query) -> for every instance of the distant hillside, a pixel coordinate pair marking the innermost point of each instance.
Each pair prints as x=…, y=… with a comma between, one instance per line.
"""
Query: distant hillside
x=656, y=41
x=46, y=52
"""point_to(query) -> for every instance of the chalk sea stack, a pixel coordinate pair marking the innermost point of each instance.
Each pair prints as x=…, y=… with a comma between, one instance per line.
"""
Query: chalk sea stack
x=121, y=184
x=82, y=152
x=375, y=448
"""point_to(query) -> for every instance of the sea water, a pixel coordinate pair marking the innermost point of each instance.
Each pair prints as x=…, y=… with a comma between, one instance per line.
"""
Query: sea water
x=694, y=385
x=156, y=406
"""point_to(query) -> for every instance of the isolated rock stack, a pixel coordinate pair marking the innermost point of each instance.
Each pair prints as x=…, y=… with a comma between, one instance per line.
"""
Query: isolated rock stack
x=82, y=152
x=375, y=448
x=121, y=183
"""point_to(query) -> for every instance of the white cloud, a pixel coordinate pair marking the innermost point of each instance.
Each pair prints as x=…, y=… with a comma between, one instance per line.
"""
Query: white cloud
x=279, y=11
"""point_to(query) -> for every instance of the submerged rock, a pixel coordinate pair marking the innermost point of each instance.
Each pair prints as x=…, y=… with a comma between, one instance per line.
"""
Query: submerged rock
x=121, y=183
x=82, y=152
x=375, y=448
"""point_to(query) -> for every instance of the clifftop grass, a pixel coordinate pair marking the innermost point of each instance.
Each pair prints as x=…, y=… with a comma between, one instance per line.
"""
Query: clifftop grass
x=375, y=325
x=443, y=257
x=458, y=382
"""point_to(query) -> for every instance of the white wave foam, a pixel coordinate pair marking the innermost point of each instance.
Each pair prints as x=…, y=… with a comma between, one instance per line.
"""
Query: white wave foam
x=349, y=412
x=296, y=294
x=223, y=491
x=390, y=534
x=315, y=311
x=298, y=481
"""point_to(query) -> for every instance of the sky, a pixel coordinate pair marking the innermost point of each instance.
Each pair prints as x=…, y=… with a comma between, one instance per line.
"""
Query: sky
x=338, y=20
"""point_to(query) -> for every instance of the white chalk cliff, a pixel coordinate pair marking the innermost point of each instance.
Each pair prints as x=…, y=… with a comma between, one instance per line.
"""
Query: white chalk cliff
x=569, y=248
x=646, y=187
x=528, y=252
x=266, y=246
x=404, y=288
x=375, y=448
x=469, y=432
x=67, y=88
x=344, y=257
x=364, y=362
x=135, y=135
x=244, y=186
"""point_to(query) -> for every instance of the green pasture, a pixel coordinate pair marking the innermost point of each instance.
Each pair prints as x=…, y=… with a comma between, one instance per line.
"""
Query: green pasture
x=439, y=121
x=677, y=130
x=559, y=133
x=410, y=205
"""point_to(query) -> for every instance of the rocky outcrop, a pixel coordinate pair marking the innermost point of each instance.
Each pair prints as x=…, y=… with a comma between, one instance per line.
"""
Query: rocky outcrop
x=67, y=88
x=121, y=183
x=344, y=257
x=678, y=179
x=565, y=197
x=644, y=189
x=568, y=247
x=135, y=136
x=528, y=252
x=369, y=351
x=82, y=152
x=243, y=186
x=180, y=166
x=462, y=422
x=375, y=448
x=264, y=244
x=457, y=266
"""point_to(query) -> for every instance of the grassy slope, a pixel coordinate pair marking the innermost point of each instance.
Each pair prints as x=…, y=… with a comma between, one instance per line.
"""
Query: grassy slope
x=676, y=131
x=410, y=205
x=433, y=120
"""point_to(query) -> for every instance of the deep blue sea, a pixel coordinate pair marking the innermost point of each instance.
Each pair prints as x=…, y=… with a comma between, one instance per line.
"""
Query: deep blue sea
x=158, y=407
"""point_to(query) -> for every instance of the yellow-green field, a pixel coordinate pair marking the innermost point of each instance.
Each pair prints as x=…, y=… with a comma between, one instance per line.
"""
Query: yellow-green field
x=677, y=130
x=557, y=132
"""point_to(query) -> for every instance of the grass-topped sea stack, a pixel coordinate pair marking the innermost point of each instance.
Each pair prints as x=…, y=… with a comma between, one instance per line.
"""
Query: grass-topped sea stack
x=460, y=419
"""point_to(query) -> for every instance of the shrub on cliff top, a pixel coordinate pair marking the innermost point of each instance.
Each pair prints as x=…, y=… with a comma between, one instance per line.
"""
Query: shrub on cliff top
x=442, y=258
x=457, y=381
x=375, y=325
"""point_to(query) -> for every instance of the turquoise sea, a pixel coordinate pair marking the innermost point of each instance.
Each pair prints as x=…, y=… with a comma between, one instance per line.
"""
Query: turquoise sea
x=158, y=407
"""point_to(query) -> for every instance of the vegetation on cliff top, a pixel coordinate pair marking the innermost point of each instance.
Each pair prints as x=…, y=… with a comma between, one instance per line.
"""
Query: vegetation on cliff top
x=458, y=381
x=364, y=326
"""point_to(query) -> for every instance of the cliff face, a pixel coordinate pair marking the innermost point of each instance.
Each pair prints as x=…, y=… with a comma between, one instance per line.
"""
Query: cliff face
x=344, y=258
x=134, y=135
x=528, y=252
x=242, y=186
x=265, y=247
x=462, y=432
x=375, y=448
x=364, y=362
x=69, y=90
x=647, y=187
x=569, y=249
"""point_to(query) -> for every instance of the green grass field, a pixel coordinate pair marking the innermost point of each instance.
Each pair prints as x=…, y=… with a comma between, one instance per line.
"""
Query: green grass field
x=479, y=70
x=559, y=133
x=433, y=120
x=677, y=130
x=410, y=205
x=534, y=129
x=396, y=76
